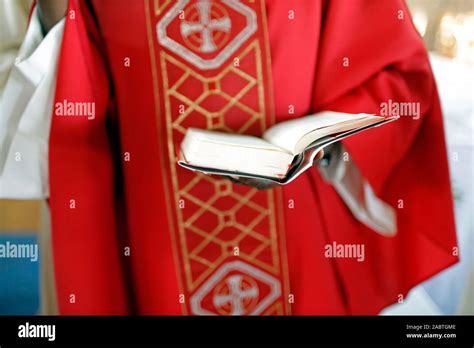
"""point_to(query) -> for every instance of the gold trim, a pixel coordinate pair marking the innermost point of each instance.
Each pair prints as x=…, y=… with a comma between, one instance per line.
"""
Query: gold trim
x=171, y=90
x=212, y=86
x=159, y=5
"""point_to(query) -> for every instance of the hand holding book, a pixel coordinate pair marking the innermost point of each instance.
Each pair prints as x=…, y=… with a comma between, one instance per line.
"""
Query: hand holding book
x=265, y=184
x=284, y=152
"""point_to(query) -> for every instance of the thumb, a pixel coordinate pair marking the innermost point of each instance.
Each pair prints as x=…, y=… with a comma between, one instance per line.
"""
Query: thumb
x=319, y=155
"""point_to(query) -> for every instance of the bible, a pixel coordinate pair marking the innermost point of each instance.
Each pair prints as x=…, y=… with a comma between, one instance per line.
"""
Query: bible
x=284, y=151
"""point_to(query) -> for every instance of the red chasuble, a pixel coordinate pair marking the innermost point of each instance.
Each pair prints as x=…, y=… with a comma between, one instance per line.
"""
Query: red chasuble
x=135, y=233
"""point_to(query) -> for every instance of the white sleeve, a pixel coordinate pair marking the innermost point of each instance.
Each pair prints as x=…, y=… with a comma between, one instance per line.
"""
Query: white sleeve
x=13, y=17
x=342, y=173
x=26, y=111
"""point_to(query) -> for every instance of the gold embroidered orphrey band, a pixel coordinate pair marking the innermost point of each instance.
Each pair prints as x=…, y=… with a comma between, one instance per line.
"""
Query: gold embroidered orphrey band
x=211, y=69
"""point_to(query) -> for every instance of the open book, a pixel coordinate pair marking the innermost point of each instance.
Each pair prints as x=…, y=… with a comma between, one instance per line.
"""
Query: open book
x=284, y=151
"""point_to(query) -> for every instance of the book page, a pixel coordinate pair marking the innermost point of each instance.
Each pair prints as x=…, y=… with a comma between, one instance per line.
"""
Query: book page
x=286, y=135
x=234, y=153
x=230, y=139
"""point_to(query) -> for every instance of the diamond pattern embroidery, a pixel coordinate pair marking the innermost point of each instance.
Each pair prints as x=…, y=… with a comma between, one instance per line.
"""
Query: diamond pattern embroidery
x=219, y=216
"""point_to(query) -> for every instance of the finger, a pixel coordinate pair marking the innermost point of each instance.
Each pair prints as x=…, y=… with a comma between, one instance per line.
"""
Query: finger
x=258, y=183
x=319, y=155
x=234, y=179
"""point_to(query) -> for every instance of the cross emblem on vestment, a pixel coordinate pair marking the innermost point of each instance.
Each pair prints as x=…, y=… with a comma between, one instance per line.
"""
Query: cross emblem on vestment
x=236, y=296
x=205, y=26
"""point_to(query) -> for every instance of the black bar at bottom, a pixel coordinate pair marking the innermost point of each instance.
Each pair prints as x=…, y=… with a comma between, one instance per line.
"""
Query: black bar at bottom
x=412, y=330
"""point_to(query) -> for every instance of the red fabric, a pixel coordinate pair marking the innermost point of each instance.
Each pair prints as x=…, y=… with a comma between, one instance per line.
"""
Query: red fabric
x=89, y=278
x=405, y=160
x=402, y=161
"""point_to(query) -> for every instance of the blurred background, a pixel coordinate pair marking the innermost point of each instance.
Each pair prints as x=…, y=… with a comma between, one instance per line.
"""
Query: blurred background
x=447, y=26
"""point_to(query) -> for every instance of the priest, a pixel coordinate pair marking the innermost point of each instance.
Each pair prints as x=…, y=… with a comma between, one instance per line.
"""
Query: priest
x=132, y=232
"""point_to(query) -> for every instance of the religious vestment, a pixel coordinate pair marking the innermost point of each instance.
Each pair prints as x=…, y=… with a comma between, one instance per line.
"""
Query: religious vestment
x=132, y=232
